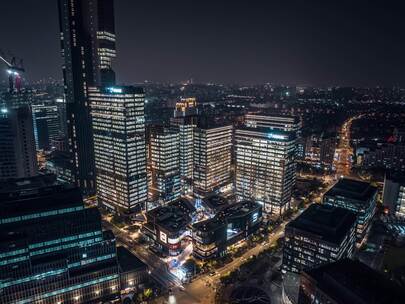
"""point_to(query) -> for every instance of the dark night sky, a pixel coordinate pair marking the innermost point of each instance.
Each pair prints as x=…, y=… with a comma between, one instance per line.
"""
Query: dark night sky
x=293, y=42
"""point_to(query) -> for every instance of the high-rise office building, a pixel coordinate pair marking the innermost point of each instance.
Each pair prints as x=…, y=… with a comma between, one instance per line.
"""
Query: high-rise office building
x=17, y=144
x=185, y=116
x=106, y=41
x=212, y=158
x=54, y=250
x=88, y=44
x=119, y=146
x=46, y=118
x=320, y=235
x=265, y=167
x=273, y=121
x=394, y=194
x=279, y=122
x=164, y=164
x=357, y=196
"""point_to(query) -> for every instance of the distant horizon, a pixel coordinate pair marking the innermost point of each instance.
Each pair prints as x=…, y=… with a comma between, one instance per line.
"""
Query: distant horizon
x=357, y=44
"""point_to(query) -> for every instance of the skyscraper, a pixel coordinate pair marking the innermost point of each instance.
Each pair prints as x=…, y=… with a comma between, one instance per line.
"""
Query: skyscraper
x=46, y=118
x=185, y=116
x=212, y=158
x=119, y=145
x=106, y=41
x=88, y=44
x=164, y=162
x=17, y=144
x=265, y=167
x=54, y=250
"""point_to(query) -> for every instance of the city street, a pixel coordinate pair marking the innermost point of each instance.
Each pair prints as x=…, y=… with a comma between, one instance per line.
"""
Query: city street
x=344, y=151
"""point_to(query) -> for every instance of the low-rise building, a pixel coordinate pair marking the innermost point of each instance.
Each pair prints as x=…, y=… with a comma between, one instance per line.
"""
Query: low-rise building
x=230, y=225
x=320, y=235
x=167, y=226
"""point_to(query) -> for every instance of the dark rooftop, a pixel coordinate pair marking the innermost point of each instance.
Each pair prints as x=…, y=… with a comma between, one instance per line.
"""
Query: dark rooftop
x=330, y=223
x=36, y=194
x=215, y=202
x=397, y=177
x=128, y=261
x=352, y=189
x=228, y=213
x=173, y=217
x=279, y=135
x=348, y=281
x=239, y=209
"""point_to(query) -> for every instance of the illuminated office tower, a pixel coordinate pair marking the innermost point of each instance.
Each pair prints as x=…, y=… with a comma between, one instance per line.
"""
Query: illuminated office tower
x=106, y=41
x=185, y=115
x=212, y=158
x=119, y=147
x=275, y=122
x=279, y=122
x=88, y=45
x=17, y=144
x=265, y=167
x=164, y=164
x=47, y=124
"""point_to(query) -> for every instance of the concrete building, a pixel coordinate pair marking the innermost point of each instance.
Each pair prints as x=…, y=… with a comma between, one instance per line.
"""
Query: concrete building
x=320, y=235
x=167, y=226
x=357, y=196
x=233, y=223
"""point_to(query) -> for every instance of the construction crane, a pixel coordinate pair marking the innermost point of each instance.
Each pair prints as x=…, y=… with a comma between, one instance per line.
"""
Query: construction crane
x=14, y=71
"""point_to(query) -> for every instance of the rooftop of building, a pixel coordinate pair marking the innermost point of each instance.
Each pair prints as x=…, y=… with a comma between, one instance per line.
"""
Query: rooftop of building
x=348, y=281
x=128, y=261
x=277, y=117
x=215, y=202
x=36, y=194
x=118, y=90
x=270, y=133
x=228, y=213
x=353, y=189
x=206, y=122
x=173, y=217
x=330, y=223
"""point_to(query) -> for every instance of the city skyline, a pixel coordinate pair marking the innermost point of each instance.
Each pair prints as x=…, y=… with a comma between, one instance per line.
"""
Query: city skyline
x=203, y=188
x=356, y=44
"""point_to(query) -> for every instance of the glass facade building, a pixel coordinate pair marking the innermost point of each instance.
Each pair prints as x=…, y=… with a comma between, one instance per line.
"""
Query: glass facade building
x=357, y=196
x=53, y=250
x=212, y=158
x=265, y=167
x=119, y=147
x=320, y=235
x=185, y=116
x=17, y=143
x=88, y=46
x=164, y=164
